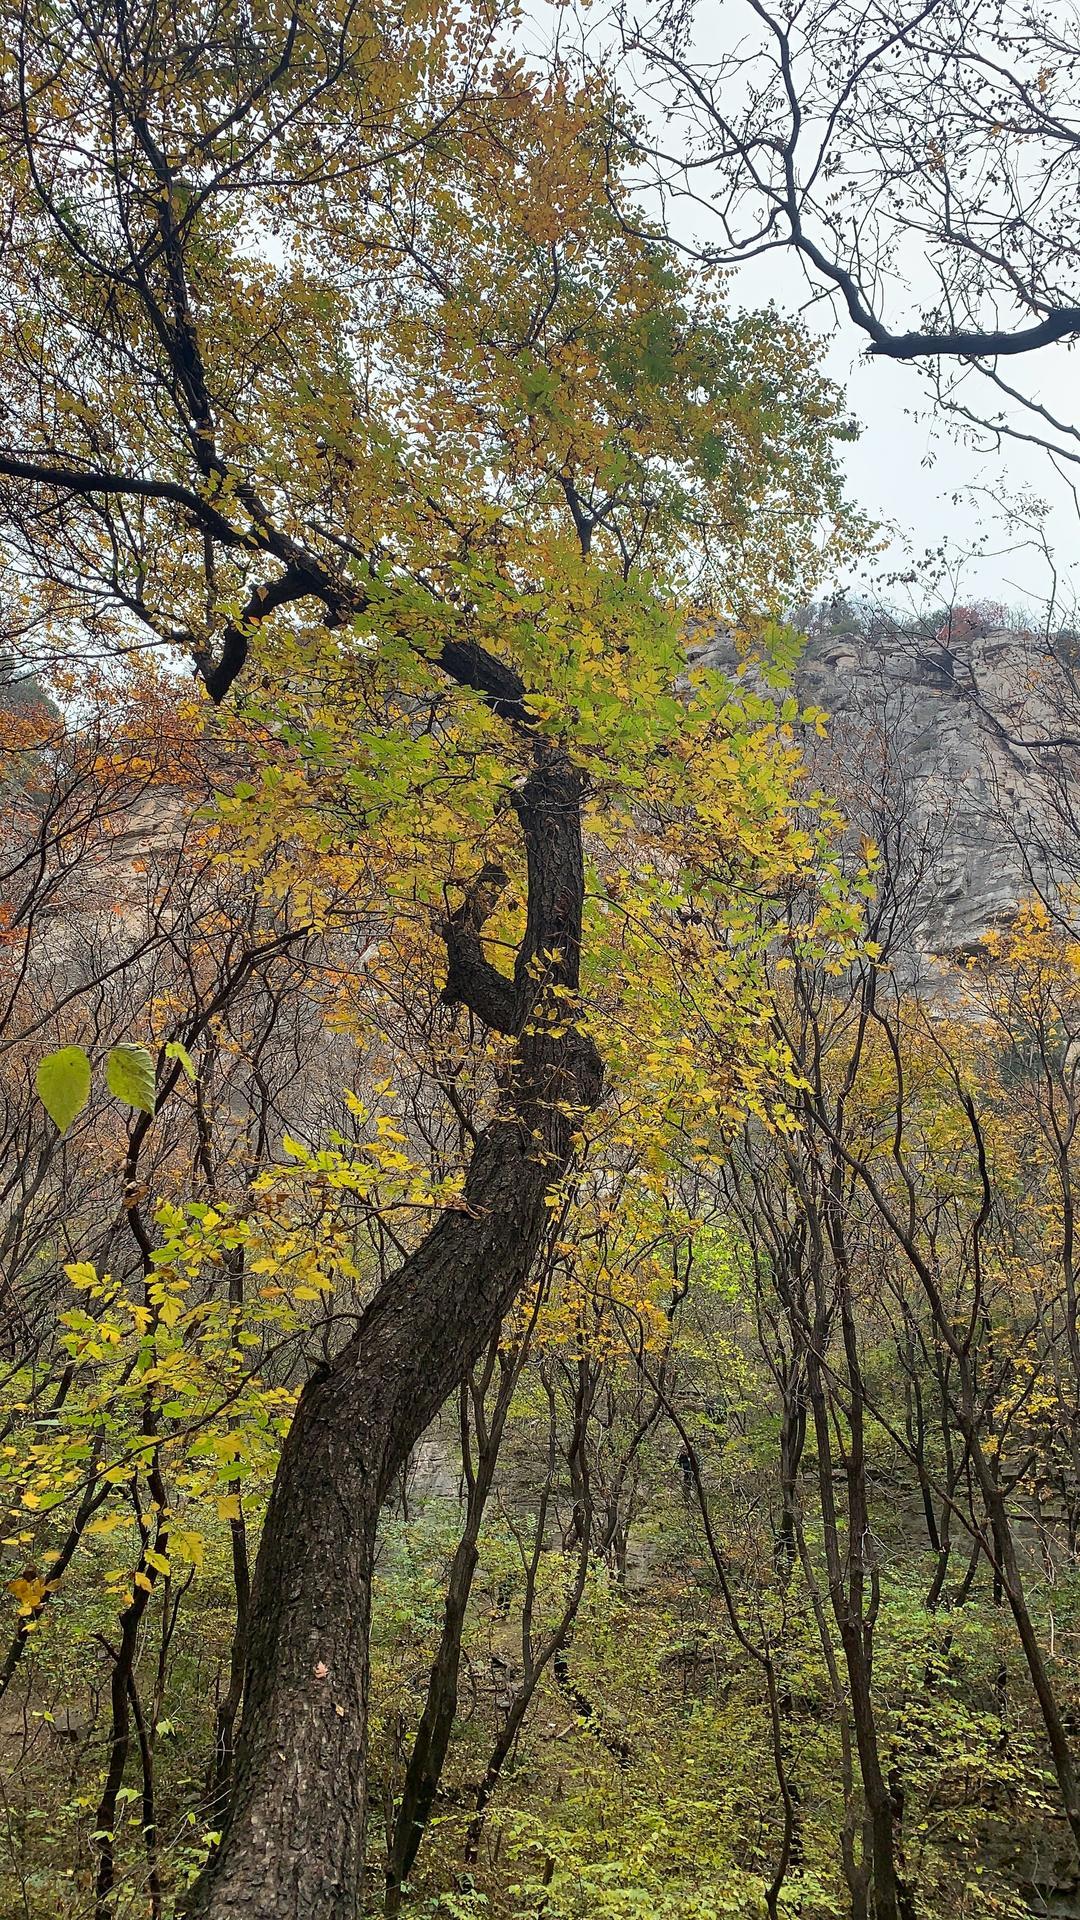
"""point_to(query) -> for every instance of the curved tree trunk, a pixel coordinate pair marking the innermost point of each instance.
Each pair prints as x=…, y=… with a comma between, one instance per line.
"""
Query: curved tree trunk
x=292, y=1847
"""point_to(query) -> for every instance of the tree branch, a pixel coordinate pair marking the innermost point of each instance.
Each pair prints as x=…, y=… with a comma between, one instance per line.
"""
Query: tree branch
x=471, y=980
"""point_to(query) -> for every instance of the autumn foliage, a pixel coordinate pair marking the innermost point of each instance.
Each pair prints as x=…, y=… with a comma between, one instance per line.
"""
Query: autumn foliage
x=443, y=1030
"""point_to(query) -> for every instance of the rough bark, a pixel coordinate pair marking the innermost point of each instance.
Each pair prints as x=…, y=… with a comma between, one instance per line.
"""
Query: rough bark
x=292, y=1847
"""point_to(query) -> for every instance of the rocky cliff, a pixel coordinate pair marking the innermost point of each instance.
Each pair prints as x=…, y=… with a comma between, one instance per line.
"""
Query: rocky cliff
x=962, y=744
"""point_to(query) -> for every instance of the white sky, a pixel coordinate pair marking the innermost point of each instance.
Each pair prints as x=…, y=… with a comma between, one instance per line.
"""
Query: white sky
x=910, y=469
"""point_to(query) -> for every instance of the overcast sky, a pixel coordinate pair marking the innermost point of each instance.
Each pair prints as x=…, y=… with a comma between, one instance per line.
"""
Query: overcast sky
x=910, y=468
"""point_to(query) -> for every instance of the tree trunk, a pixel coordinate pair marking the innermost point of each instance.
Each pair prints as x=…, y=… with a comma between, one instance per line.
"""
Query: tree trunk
x=292, y=1848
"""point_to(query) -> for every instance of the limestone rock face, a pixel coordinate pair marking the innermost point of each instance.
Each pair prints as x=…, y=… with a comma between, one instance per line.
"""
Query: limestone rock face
x=961, y=746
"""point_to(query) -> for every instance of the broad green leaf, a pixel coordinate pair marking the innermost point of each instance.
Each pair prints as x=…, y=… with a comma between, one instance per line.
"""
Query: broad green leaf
x=176, y=1050
x=63, y=1085
x=129, y=1074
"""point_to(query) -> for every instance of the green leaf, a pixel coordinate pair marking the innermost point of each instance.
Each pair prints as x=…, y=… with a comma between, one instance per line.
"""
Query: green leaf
x=129, y=1074
x=176, y=1050
x=63, y=1085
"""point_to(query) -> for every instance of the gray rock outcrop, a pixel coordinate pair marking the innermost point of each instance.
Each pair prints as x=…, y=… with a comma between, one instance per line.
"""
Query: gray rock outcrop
x=958, y=751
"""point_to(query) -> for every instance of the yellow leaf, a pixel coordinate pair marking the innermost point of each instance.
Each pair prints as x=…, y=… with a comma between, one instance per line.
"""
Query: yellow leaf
x=106, y=1523
x=28, y=1593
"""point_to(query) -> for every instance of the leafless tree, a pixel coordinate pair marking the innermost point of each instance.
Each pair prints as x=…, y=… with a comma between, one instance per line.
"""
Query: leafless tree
x=923, y=163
